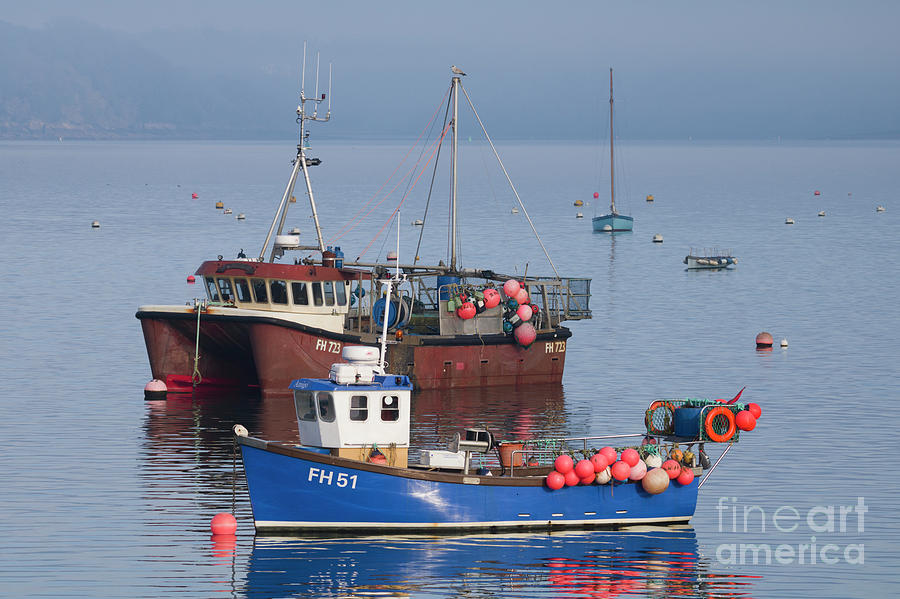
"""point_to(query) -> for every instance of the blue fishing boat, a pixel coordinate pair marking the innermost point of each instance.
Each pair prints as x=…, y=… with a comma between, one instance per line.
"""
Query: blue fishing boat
x=353, y=471
x=612, y=222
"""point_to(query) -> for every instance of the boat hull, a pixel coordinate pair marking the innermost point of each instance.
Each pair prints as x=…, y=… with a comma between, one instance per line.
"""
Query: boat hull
x=713, y=262
x=610, y=223
x=295, y=489
x=241, y=352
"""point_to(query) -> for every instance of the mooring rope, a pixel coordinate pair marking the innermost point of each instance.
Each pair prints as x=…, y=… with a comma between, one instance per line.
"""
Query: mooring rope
x=196, y=377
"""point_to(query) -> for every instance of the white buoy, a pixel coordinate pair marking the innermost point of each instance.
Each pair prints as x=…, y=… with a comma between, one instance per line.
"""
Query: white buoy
x=227, y=211
x=155, y=389
x=789, y=221
x=822, y=213
x=657, y=238
x=95, y=224
x=241, y=216
x=579, y=215
x=784, y=343
x=879, y=209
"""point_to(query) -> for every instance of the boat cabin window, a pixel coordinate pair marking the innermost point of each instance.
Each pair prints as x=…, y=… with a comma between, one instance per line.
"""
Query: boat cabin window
x=317, y=294
x=242, y=290
x=328, y=288
x=279, y=292
x=340, y=289
x=326, y=406
x=225, y=288
x=211, y=290
x=359, y=410
x=259, y=291
x=390, y=408
x=301, y=297
x=305, y=405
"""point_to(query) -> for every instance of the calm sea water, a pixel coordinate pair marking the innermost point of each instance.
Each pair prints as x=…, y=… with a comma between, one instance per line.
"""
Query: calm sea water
x=108, y=495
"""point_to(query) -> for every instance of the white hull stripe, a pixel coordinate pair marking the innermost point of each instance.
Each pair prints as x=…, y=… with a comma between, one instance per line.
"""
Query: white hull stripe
x=264, y=524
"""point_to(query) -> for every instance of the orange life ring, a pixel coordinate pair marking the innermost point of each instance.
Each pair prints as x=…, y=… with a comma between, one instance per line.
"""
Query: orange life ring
x=648, y=418
x=708, y=424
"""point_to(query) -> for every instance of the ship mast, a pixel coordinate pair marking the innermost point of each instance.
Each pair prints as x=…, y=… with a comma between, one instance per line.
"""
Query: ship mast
x=612, y=172
x=456, y=82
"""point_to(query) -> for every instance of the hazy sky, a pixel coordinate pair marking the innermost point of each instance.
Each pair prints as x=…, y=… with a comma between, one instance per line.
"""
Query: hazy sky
x=683, y=68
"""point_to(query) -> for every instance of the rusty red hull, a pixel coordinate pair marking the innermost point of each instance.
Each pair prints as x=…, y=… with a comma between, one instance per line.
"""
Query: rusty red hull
x=241, y=353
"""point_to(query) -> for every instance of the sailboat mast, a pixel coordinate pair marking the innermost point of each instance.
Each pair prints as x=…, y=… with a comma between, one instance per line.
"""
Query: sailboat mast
x=453, y=174
x=612, y=170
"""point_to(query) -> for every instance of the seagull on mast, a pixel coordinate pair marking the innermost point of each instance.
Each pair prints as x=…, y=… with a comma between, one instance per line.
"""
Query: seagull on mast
x=456, y=70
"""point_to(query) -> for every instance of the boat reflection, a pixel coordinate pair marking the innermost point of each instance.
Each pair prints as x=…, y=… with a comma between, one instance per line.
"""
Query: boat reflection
x=658, y=562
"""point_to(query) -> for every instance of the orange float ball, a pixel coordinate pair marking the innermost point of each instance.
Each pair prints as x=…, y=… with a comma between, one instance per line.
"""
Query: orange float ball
x=584, y=468
x=223, y=524
x=685, y=477
x=754, y=409
x=572, y=478
x=610, y=454
x=563, y=464
x=620, y=470
x=672, y=468
x=631, y=457
x=511, y=288
x=599, y=461
x=588, y=480
x=555, y=480
x=745, y=420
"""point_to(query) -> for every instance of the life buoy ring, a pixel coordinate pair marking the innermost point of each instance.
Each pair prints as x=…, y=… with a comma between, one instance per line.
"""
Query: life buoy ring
x=711, y=431
x=649, y=420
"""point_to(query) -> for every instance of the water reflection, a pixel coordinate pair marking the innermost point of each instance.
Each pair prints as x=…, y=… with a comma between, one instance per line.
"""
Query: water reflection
x=655, y=562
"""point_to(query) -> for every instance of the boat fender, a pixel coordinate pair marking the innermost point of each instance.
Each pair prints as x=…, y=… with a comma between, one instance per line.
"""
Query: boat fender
x=709, y=424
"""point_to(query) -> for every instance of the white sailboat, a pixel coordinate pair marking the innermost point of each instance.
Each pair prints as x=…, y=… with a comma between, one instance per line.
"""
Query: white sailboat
x=612, y=222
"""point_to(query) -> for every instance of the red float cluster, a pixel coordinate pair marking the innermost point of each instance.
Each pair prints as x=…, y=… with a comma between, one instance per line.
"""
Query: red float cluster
x=607, y=465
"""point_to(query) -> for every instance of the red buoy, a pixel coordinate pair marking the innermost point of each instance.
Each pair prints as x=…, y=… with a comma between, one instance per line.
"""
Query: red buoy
x=511, y=288
x=522, y=296
x=596, y=195
x=620, y=470
x=584, y=469
x=672, y=468
x=194, y=196
x=563, y=464
x=598, y=460
x=610, y=454
x=638, y=471
x=588, y=480
x=155, y=389
x=817, y=192
x=685, y=477
x=745, y=420
x=555, y=480
x=191, y=280
x=525, y=312
x=466, y=311
x=631, y=457
x=223, y=524
x=525, y=335
x=754, y=409
x=572, y=478
x=764, y=339
x=491, y=298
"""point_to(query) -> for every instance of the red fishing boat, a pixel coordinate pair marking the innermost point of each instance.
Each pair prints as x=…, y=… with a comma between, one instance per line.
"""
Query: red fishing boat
x=264, y=323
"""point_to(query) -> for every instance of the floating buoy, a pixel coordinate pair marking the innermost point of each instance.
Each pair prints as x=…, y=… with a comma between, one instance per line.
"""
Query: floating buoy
x=491, y=298
x=392, y=256
x=610, y=454
x=789, y=221
x=293, y=200
x=879, y=209
x=657, y=238
x=95, y=224
x=466, y=311
x=525, y=313
x=650, y=198
x=604, y=476
x=223, y=524
x=655, y=481
x=817, y=193
x=555, y=480
x=219, y=205
x=686, y=477
x=579, y=215
x=240, y=216
x=191, y=280
x=676, y=454
x=563, y=464
x=514, y=210
x=755, y=410
x=638, y=471
x=584, y=468
x=511, y=288
x=599, y=462
x=764, y=339
x=631, y=457
x=572, y=478
x=579, y=203
x=672, y=468
x=745, y=420
x=653, y=460
x=596, y=195
x=821, y=213
x=784, y=343
x=155, y=389
x=522, y=296
x=194, y=196
x=525, y=334
x=227, y=211
x=620, y=470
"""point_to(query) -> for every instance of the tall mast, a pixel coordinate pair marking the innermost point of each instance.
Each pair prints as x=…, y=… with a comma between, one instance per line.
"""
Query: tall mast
x=612, y=171
x=453, y=175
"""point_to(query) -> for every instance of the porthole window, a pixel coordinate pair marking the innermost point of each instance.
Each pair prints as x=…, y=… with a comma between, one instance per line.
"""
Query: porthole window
x=390, y=408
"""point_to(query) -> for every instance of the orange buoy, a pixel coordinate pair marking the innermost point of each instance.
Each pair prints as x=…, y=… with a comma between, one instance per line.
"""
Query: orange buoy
x=638, y=471
x=598, y=460
x=596, y=195
x=764, y=339
x=817, y=192
x=521, y=296
x=223, y=524
x=466, y=311
x=555, y=480
x=511, y=288
x=491, y=298
x=584, y=469
x=709, y=422
x=610, y=454
x=525, y=335
x=194, y=196
x=620, y=470
x=631, y=457
x=745, y=420
x=685, y=477
x=563, y=464
x=525, y=312
x=755, y=410
x=672, y=468
x=572, y=478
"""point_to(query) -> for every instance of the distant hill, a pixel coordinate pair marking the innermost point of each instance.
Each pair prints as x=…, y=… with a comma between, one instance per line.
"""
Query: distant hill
x=75, y=80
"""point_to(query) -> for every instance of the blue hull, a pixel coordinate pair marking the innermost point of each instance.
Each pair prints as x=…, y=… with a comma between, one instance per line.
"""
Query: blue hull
x=293, y=489
x=616, y=222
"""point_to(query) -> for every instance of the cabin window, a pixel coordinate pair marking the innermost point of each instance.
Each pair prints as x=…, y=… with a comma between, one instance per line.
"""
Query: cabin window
x=242, y=290
x=301, y=298
x=225, y=288
x=390, y=408
x=359, y=408
x=340, y=289
x=328, y=287
x=211, y=290
x=305, y=405
x=279, y=292
x=259, y=291
x=317, y=293
x=326, y=407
